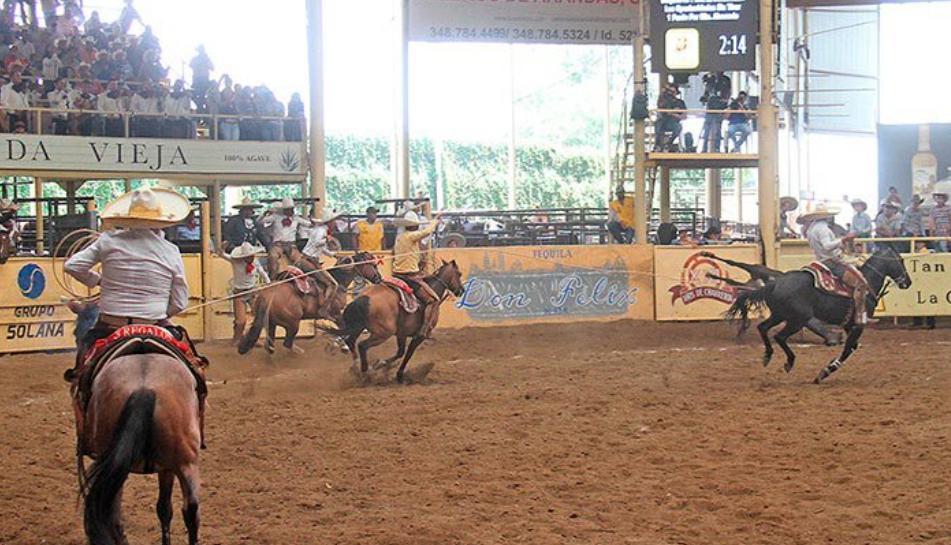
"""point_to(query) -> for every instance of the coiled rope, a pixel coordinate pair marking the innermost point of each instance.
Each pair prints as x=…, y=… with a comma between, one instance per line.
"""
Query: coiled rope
x=81, y=238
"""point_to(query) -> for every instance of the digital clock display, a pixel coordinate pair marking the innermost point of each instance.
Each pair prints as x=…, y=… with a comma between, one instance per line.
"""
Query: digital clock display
x=704, y=35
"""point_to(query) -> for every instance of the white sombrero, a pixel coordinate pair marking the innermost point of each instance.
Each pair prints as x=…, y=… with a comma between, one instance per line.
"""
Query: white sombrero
x=146, y=209
x=247, y=250
x=285, y=204
x=859, y=201
x=409, y=219
x=246, y=202
x=325, y=217
x=820, y=211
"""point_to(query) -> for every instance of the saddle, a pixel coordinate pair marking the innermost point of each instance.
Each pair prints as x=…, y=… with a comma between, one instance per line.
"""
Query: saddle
x=304, y=283
x=138, y=339
x=825, y=281
x=408, y=301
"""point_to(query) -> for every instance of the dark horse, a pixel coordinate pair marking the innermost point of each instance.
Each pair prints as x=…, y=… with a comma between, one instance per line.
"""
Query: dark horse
x=794, y=299
x=283, y=305
x=759, y=276
x=378, y=311
x=141, y=417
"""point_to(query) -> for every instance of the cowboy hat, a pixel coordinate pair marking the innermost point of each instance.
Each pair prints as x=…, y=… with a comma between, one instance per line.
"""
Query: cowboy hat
x=942, y=188
x=820, y=211
x=889, y=204
x=916, y=198
x=247, y=250
x=246, y=202
x=858, y=202
x=410, y=219
x=326, y=216
x=146, y=209
x=789, y=202
x=285, y=204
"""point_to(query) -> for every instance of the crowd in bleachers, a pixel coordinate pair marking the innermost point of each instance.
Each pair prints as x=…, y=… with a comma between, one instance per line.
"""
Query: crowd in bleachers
x=105, y=80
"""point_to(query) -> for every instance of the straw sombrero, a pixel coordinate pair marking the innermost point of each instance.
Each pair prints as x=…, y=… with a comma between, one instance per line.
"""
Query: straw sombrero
x=146, y=209
x=247, y=250
x=410, y=219
x=821, y=211
x=789, y=202
x=942, y=188
x=246, y=202
x=859, y=201
x=889, y=204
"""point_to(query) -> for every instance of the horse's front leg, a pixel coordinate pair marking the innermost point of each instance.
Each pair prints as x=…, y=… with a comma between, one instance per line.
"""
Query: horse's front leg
x=851, y=345
x=764, y=328
x=413, y=345
x=792, y=326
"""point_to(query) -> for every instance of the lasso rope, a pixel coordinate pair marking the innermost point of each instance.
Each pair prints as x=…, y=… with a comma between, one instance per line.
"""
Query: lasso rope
x=63, y=280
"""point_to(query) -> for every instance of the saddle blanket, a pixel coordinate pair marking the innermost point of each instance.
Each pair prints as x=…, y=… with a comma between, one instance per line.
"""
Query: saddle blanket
x=825, y=281
x=408, y=300
x=304, y=283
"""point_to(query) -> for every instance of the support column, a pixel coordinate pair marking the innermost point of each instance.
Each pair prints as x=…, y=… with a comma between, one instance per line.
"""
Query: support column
x=128, y=184
x=315, y=70
x=640, y=153
x=215, y=199
x=71, y=197
x=403, y=167
x=768, y=137
x=513, y=163
x=207, y=313
x=738, y=180
x=40, y=231
x=714, y=194
x=665, y=194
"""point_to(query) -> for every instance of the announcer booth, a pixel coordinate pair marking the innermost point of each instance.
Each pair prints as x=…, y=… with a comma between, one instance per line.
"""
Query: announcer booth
x=33, y=313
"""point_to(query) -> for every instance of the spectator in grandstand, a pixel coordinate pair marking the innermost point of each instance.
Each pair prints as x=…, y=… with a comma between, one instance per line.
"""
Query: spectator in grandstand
x=93, y=24
x=60, y=98
x=228, y=127
x=52, y=69
x=178, y=104
x=370, y=232
x=243, y=227
x=713, y=235
x=111, y=102
x=128, y=16
x=294, y=125
x=940, y=220
x=13, y=100
x=913, y=220
x=84, y=122
x=122, y=68
x=669, y=122
x=202, y=67
x=894, y=197
x=249, y=129
x=12, y=57
x=685, y=238
x=888, y=224
x=861, y=224
x=713, y=122
x=738, y=123
x=621, y=217
x=267, y=105
x=145, y=104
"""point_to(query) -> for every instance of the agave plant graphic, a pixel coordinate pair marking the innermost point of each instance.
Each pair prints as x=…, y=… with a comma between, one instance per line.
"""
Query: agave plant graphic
x=289, y=161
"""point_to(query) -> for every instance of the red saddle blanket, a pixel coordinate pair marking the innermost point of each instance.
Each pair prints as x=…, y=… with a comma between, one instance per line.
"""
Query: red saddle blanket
x=141, y=333
x=825, y=281
x=304, y=283
x=408, y=300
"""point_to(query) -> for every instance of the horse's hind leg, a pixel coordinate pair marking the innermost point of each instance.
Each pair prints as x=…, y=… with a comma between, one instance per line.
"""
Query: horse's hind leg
x=290, y=334
x=269, y=337
x=189, y=480
x=790, y=329
x=117, y=524
x=851, y=345
x=163, y=508
x=764, y=328
x=413, y=345
x=366, y=345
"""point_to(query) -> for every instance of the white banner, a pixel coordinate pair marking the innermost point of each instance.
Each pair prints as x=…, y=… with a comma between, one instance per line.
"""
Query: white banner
x=153, y=156
x=524, y=21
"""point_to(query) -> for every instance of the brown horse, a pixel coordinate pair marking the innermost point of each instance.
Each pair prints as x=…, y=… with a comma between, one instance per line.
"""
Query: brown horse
x=378, y=311
x=283, y=305
x=8, y=244
x=142, y=417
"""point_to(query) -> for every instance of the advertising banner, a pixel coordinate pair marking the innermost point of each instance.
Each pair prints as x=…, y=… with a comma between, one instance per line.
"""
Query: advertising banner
x=690, y=285
x=149, y=156
x=521, y=21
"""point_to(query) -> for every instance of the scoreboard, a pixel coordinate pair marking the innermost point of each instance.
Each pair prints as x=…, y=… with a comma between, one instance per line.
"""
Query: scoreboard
x=703, y=35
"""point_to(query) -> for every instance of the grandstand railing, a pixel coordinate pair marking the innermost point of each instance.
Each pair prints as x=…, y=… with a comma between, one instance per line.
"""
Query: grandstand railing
x=41, y=120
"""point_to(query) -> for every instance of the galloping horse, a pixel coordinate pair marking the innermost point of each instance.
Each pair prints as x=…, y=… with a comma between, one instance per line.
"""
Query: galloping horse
x=793, y=298
x=378, y=311
x=142, y=417
x=284, y=305
x=759, y=276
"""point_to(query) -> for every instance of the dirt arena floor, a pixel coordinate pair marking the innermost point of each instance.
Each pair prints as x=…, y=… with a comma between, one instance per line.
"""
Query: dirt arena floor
x=624, y=433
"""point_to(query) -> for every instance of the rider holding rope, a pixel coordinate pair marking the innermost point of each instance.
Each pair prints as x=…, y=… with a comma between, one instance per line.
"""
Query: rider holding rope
x=406, y=264
x=283, y=230
x=828, y=250
x=316, y=248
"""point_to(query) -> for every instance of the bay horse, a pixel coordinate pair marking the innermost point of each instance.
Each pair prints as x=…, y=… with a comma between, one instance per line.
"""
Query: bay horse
x=283, y=304
x=793, y=298
x=378, y=311
x=142, y=417
x=759, y=276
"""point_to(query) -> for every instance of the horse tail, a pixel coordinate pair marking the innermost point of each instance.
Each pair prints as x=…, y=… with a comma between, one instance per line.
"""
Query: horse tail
x=747, y=300
x=131, y=443
x=260, y=322
x=356, y=318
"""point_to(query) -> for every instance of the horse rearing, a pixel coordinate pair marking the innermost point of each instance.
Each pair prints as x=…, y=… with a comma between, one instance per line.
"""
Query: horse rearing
x=793, y=298
x=284, y=305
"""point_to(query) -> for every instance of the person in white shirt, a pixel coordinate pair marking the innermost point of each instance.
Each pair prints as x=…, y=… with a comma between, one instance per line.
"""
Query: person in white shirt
x=316, y=248
x=60, y=98
x=247, y=274
x=283, y=230
x=829, y=250
x=111, y=102
x=142, y=279
x=144, y=102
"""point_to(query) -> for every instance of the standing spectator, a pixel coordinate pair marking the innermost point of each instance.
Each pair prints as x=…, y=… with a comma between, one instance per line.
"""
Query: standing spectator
x=93, y=24
x=228, y=127
x=889, y=224
x=246, y=108
x=713, y=123
x=51, y=69
x=621, y=218
x=243, y=228
x=940, y=220
x=123, y=68
x=294, y=125
x=861, y=222
x=128, y=16
x=202, y=67
x=913, y=220
x=738, y=127
x=178, y=107
x=669, y=122
x=370, y=232
x=894, y=197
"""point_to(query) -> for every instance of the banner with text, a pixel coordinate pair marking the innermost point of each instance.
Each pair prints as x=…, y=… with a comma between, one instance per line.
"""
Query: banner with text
x=520, y=21
x=150, y=156
x=690, y=285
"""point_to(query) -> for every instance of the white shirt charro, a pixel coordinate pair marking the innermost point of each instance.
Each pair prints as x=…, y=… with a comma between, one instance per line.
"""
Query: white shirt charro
x=284, y=233
x=143, y=275
x=823, y=241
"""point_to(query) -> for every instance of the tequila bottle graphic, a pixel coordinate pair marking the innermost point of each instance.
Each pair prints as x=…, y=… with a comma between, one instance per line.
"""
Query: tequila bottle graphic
x=924, y=165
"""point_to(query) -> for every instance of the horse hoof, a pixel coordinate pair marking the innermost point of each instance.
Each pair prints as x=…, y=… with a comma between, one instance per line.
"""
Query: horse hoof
x=766, y=360
x=788, y=367
x=295, y=350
